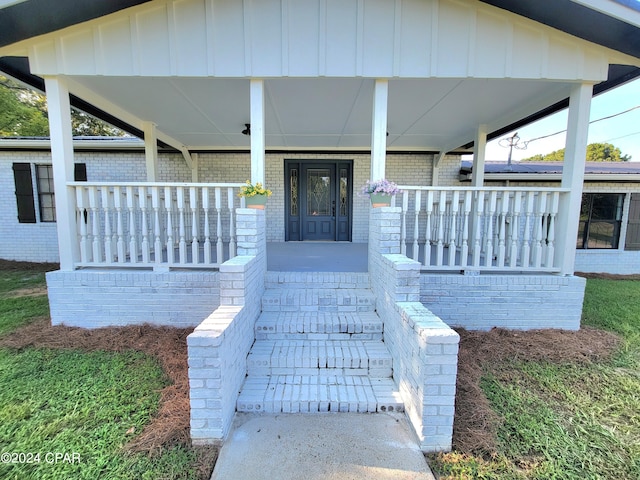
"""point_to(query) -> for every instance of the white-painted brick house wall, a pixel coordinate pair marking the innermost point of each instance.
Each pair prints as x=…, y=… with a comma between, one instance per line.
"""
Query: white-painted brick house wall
x=219, y=346
x=38, y=242
x=615, y=261
x=414, y=169
x=99, y=298
x=520, y=302
x=34, y=242
x=423, y=347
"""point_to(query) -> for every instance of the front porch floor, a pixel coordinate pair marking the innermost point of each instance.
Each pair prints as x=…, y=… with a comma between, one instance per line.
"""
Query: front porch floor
x=317, y=257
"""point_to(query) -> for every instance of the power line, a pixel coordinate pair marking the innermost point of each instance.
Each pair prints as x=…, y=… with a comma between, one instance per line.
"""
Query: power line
x=526, y=143
x=623, y=136
x=615, y=114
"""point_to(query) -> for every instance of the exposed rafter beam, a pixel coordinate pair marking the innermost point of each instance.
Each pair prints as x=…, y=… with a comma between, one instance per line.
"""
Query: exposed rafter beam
x=99, y=101
x=438, y=158
x=187, y=157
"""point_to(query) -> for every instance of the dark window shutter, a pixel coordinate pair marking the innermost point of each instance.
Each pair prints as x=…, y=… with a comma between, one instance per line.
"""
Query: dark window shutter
x=24, y=193
x=633, y=227
x=80, y=172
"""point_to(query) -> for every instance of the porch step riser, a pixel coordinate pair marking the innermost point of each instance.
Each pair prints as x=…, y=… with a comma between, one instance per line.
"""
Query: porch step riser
x=318, y=300
x=365, y=337
x=320, y=358
x=319, y=348
x=337, y=371
x=318, y=326
x=299, y=280
x=307, y=394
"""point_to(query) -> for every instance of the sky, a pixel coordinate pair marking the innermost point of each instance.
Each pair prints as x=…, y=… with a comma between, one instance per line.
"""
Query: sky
x=623, y=131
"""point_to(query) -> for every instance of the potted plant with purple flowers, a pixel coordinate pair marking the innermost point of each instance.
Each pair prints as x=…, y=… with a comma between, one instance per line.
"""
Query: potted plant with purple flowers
x=380, y=192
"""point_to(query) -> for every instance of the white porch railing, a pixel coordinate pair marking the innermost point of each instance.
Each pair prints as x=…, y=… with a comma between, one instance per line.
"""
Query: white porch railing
x=159, y=225
x=452, y=228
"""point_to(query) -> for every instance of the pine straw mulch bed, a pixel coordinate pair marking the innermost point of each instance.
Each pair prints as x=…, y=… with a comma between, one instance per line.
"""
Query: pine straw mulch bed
x=475, y=423
x=170, y=426
x=13, y=266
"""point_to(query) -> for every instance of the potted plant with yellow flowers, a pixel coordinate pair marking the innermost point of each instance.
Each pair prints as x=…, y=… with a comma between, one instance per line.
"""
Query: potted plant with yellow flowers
x=255, y=196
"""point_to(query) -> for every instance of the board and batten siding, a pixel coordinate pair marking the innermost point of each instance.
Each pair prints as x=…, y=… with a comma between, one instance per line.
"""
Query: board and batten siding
x=318, y=38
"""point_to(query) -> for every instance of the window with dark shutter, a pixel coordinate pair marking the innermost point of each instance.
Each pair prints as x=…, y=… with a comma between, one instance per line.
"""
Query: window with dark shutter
x=632, y=241
x=46, y=193
x=24, y=193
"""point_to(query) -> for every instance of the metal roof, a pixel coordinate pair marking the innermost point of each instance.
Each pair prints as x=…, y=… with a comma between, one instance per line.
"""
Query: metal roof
x=552, y=171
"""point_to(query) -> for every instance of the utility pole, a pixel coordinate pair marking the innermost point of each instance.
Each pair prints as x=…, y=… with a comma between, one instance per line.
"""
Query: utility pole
x=512, y=141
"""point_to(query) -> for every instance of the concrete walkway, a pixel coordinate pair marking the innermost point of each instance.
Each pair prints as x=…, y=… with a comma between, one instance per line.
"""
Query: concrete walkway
x=332, y=446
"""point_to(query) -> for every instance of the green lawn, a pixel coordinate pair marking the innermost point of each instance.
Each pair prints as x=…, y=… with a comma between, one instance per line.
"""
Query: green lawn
x=567, y=421
x=19, y=310
x=70, y=413
x=67, y=414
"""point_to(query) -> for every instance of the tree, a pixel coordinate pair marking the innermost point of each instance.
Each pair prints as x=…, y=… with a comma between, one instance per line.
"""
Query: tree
x=18, y=118
x=605, y=152
x=23, y=113
x=596, y=152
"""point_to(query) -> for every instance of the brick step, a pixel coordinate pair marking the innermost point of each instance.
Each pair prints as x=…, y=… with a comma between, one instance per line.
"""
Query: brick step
x=339, y=280
x=318, y=299
x=320, y=357
x=318, y=326
x=310, y=394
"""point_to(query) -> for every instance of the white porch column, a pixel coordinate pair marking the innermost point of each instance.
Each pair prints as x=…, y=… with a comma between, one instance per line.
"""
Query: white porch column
x=479, y=149
x=379, y=129
x=151, y=151
x=573, y=176
x=257, y=130
x=62, y=159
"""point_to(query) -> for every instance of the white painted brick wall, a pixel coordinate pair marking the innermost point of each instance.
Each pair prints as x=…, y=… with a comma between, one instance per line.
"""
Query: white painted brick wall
x=219, y=346
x=414, y=169
x=618, y=262
x=94, y=299
x=33, y=242
x=520, y=302
x=424, y=348
x=38, y=242
x=613, y=261
x=449, y=171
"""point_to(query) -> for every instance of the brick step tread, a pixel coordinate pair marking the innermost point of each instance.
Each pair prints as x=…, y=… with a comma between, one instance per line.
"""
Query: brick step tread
x=316, y=322
x=359, y=356
x=321, y=299
x=314, y=279
x=309, y=394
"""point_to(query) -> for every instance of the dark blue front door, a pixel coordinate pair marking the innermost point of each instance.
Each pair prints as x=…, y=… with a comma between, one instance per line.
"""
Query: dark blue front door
x=319, y=202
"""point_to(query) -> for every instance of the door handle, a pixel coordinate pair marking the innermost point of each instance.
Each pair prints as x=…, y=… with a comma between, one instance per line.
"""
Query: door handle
x=333, y=208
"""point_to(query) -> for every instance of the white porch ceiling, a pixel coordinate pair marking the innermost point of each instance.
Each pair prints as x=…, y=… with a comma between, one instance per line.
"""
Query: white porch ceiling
x=322, y=113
